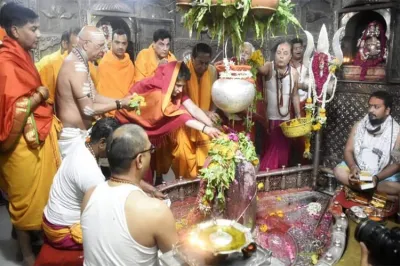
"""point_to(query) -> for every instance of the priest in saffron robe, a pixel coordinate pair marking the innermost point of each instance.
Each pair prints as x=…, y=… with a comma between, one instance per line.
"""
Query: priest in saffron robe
x=29, y=155
x=158, y=53
x=192, y=146
x=50, y=65
x=168, y=108
x=146, y=65
x=116, y=72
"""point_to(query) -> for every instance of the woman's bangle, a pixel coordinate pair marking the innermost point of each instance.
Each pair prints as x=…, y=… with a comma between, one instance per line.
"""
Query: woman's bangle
x=202, y=131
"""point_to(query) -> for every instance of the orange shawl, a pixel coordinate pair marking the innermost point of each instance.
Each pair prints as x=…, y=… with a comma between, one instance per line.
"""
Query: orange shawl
x=163, y=114
x=115, y=77
x=19, y=78
x=2, y=34
x=146, y=63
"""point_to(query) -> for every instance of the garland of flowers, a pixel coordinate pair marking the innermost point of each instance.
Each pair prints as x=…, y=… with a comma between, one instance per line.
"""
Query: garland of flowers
x=255, y=61
x=234, y=19
x=320, y=80
x=136, y=102
x=225, y=154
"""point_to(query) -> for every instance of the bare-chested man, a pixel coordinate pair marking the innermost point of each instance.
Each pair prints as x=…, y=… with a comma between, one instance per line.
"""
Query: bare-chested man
x=76, y=97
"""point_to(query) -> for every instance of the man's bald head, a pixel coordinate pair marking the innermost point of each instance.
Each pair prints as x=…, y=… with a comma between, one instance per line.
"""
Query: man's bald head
x=92, y=40
x=126, y=144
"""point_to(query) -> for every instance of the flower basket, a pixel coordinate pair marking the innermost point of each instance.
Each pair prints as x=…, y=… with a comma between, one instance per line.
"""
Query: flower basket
x=295, y=128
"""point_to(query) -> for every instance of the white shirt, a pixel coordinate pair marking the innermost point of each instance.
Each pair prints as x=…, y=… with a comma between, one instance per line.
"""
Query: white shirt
x=107, y=240
x=77, y=174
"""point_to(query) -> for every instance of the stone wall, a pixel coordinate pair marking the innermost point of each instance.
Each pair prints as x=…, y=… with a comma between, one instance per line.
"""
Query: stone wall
x=144, y=16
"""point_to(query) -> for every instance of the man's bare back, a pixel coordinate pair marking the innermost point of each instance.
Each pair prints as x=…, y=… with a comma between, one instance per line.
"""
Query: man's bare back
x=74, y=75
x=150, y=221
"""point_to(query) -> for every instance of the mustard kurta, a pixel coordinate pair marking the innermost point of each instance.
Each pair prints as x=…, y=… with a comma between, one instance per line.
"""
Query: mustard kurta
x=192, y=146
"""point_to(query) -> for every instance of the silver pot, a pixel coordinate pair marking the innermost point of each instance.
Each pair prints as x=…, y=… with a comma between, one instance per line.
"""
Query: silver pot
x=233, y=95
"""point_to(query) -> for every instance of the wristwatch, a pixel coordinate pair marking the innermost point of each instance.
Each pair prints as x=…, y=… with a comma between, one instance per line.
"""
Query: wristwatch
x=119, y=104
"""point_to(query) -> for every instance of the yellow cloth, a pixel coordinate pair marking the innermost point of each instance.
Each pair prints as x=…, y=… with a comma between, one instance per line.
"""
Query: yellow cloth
x=192, y=146
x=115, y=76
x=147, y=62
x=48, y=71
x=26, y=177
x=48, y=59
x=55, y=235
x=50, y=67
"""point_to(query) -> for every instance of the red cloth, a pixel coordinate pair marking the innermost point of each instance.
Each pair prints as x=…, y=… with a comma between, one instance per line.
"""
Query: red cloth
x=163, y=113
x=19, y=78
x=277, y=148
x=50, y=256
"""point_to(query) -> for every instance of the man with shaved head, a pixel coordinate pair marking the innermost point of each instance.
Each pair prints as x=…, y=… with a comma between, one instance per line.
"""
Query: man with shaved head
x=120, y=223
x=77, y=101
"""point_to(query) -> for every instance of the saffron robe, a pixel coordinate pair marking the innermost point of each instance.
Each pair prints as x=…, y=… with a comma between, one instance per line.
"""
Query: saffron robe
x=115, y=76
x=28, y=139
x=146, y=63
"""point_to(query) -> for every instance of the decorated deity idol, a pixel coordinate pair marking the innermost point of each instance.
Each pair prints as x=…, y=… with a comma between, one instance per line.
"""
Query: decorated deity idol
x=372, y=49
x=321, y=77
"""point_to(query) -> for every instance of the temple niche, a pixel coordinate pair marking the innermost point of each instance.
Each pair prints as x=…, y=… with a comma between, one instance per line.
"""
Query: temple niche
x=365, y=44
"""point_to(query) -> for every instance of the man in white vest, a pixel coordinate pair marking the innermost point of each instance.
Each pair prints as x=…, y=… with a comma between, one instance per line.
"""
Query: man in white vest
x=369, y=147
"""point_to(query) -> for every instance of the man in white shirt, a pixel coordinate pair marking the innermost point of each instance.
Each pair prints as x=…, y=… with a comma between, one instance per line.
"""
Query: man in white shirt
x=121, y=225
x=76, y=175
x=369, y=148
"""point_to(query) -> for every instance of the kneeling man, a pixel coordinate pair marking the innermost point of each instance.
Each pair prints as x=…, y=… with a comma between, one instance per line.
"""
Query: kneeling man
x=369, y=148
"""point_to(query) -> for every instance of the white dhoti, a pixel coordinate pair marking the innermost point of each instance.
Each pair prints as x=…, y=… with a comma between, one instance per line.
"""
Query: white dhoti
x=69, y=137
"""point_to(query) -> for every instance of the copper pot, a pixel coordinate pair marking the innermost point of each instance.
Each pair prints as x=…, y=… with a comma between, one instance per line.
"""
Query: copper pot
x=184, y=4
x=223, y=2
x=263, y=8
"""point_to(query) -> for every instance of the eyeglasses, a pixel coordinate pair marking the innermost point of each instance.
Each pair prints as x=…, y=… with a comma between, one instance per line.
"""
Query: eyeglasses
x=151, y=150
x=98, y=46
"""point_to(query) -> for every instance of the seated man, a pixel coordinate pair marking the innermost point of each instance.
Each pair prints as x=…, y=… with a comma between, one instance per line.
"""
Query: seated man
x=369, y=148
x=77, y=174
x=121, y=225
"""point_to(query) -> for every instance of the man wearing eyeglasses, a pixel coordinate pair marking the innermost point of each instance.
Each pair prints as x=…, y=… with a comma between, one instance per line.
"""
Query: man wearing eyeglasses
x=49, y=66
x=77, y=100
x=121, y=225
